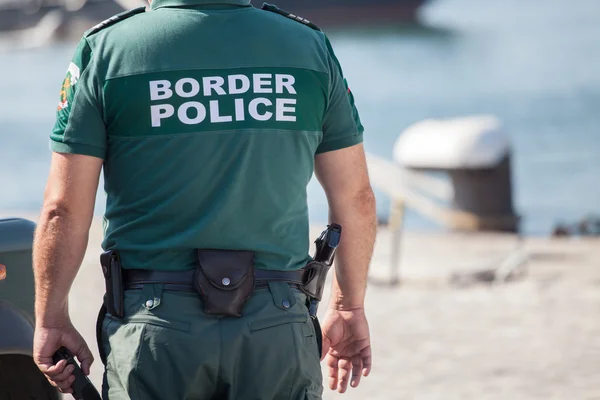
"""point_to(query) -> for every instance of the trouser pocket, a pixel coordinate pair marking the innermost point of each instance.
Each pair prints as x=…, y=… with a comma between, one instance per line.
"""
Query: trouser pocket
x=147, y=351
x=280, y=343
x=122, y=343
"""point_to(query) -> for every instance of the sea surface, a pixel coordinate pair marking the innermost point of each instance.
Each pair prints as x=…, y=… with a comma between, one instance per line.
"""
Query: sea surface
x=533, y=64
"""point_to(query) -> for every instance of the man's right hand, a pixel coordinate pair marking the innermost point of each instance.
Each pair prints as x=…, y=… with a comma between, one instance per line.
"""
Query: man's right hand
x=47, y=341
x=347, y=347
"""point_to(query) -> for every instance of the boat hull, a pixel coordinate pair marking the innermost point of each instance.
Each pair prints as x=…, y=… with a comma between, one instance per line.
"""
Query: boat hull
x=324, y=13
x=328, y=13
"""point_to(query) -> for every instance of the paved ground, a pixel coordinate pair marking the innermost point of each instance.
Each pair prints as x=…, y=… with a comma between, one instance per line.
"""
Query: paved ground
x=534, y=338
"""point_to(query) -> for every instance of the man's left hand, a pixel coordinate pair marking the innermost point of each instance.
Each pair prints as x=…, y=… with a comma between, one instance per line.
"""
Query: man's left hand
x=347, y=347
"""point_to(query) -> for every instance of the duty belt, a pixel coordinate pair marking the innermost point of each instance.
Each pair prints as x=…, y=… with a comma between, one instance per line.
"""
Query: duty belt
x=184, y=280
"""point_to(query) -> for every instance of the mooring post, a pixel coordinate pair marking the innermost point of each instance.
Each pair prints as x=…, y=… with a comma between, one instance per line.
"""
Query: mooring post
x=396, y=225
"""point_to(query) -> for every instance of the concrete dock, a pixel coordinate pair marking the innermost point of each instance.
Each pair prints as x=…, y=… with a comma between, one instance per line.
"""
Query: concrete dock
x=537, y=337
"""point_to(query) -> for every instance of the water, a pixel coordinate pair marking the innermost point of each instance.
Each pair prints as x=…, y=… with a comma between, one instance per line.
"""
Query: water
x=536, y=68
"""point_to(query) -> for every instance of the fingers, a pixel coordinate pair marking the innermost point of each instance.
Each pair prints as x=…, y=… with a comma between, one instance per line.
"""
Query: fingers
x=50, y=369
x=62, y=376
x=73, y=341
x=366, y=361
x=332, y=364
x=65, y=385
x=59, y=375
x=85, y=357
x=357, y=366
x=344, y=371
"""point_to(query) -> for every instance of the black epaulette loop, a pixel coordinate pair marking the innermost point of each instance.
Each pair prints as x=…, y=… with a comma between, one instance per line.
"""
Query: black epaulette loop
x=114, y=19
x=277, y=10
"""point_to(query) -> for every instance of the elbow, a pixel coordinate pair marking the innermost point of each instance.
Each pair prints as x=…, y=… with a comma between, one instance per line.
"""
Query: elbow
x=351, y=205
x=58, y=216
x=364, y=200
x=53, y=219
x=55, y=210
x=366, y=196
x=66, y=211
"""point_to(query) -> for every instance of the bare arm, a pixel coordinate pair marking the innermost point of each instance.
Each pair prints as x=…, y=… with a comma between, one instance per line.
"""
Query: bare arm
x=346, y=337
x=59, y=246
x=62, y=233
x=344, y=177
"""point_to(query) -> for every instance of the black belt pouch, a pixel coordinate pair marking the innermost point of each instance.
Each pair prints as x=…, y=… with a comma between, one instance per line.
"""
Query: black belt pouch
x=224, y=279
x=113, y=277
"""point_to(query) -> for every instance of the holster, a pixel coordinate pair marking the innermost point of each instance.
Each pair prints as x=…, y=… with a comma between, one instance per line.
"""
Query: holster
x=315, y=276
x=224, y=279
x=113, y=277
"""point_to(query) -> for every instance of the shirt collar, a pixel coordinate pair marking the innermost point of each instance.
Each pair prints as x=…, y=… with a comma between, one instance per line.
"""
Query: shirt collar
x=183, y=3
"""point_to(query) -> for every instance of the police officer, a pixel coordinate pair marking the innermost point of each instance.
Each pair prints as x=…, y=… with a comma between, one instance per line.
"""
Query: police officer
x=209, y=118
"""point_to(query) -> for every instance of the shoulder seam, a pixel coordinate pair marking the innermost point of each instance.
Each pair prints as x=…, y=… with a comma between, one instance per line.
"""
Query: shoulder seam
x=114, y=19
x=274, y=9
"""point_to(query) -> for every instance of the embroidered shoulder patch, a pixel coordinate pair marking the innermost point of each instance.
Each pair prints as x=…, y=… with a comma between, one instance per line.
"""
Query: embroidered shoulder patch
x=277, y=10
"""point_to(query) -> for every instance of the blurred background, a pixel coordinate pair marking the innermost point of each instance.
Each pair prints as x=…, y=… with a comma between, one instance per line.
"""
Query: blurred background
x=534, y=65
x=482, y=127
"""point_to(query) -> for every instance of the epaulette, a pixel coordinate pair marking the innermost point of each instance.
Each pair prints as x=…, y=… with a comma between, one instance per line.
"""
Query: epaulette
x=114, y=19
x=277, y=10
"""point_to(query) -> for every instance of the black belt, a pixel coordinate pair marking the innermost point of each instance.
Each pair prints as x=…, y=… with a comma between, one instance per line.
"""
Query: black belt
x=184, y=280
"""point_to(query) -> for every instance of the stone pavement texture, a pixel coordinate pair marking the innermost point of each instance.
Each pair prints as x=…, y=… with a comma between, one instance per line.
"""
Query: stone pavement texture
x=534, y=338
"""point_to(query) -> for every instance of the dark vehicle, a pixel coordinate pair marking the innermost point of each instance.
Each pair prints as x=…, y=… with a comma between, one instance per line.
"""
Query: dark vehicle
x=19, y=376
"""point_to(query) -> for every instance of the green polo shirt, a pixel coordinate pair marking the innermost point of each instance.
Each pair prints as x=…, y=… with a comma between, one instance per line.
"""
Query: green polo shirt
x=208, y=115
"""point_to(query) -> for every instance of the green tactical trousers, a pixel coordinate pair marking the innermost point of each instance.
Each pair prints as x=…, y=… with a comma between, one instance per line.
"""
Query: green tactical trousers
x=167, y=348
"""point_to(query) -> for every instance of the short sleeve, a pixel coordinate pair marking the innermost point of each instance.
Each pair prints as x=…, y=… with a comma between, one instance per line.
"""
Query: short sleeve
x=79, y=127
x=341, y=125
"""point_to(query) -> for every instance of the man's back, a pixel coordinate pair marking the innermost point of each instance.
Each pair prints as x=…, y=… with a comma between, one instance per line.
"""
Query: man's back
x=213, y=116
x=209, y=118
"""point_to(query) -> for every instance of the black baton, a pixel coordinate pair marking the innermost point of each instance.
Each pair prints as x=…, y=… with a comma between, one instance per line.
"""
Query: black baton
x=83, y=389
